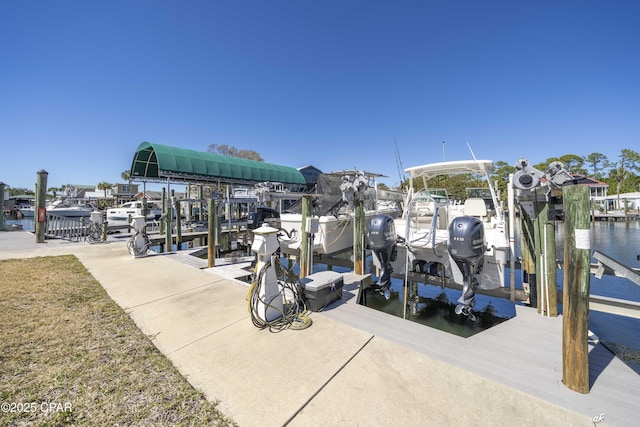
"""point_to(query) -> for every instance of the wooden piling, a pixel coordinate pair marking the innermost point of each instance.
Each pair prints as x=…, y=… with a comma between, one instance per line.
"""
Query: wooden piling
x=168, y=237
x=577, y=258
x=546, y=270
x=211, y=236
x=201, y=204
x=178, y=226
x=528, y=260
x=164, y=209
x=41, y=196
x=2, y=214
x=358, y=237
x=306, y=246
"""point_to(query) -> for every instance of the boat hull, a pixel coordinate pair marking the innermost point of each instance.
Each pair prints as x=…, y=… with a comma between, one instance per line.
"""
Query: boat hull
x=426, y=260
x=333, y=235
x=70, y=212
x=124, y=213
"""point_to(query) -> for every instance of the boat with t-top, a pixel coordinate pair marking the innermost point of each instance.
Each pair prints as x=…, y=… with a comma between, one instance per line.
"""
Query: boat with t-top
x=461, y=242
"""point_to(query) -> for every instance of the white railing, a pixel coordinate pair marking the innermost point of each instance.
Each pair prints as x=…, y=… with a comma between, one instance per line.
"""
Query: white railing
x=62, y=227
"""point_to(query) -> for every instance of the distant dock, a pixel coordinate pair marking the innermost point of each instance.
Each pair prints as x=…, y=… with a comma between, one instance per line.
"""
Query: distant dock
x=615, y=215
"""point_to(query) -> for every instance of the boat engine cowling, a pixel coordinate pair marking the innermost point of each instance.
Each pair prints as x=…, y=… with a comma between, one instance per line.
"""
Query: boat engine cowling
x=467, y=246
x=466, y=238
x=382, y=242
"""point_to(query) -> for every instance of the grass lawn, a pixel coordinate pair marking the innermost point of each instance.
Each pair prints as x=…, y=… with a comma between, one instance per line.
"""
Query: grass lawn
x=69, y=355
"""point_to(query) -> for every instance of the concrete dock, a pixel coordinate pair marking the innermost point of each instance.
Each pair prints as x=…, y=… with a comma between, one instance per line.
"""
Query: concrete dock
x=354, y=365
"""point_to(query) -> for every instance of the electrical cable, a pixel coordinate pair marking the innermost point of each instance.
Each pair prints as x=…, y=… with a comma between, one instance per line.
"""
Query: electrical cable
x=138, y=244
x=293, y=315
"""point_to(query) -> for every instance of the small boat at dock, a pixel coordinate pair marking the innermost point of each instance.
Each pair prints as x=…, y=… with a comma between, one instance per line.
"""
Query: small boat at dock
x=63, y=207
x=459, y=242
x=333, y=215
x=128, y=210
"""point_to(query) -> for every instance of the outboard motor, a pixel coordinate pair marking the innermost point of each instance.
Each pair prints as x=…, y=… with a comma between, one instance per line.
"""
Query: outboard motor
x=467, y=246
x=382, y=242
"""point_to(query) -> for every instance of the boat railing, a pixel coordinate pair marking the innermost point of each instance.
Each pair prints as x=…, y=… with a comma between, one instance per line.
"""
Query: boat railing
x=421, y=219
x=62, y=227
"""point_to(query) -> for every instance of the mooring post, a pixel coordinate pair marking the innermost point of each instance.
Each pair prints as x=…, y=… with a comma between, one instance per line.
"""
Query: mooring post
x=305, y=237
x=528, y=260
x=211, y=232
x=178, y=226
x=2, y=219
x=105, y=226
x=358, y=237
x=546, y=269
x=201, y=204
x=145, y=207
x=164, y=210
x=168, y=236
x=40, y=224
x=512, y=239
x=575, y=297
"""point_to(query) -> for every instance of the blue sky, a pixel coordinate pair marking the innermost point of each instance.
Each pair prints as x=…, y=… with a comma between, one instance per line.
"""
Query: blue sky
x=327, y=83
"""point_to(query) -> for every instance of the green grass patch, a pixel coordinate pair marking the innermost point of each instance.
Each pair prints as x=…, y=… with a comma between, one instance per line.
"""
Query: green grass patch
x=72, y=356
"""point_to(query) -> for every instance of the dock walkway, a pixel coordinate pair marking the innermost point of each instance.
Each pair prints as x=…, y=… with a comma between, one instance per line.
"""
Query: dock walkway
x=354, y=365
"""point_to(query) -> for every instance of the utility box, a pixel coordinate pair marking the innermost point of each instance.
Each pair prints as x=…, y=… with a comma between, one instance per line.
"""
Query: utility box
x=322, y=288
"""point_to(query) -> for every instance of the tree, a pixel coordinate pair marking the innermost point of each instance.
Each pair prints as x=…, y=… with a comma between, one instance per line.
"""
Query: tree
x=126, y=175
x=227, y=150
x=597, y=162
x=501, y=175
x=104, y=186
x=54, y=191
x=456, y=185
x=622, y=169
x=543, y=165
x=573, y=163
x=19, y=191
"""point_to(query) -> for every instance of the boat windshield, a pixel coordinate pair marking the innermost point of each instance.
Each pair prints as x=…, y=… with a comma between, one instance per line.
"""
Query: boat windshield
x=440, y=195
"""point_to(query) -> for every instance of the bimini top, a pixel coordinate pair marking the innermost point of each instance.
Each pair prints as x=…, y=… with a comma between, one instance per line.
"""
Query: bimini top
x=432, y=170
x=156, y=161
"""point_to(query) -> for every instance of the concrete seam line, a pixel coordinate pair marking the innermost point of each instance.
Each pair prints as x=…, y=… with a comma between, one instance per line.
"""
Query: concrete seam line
x=304, y=405
x=173, y=295
x=206, y=336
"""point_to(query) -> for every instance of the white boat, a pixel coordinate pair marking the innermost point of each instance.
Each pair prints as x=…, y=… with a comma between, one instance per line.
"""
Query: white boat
x=463, y=242
x=27, y=211
x=128, y=210
x=63, y=207
x=71, y=211
x=333, y=220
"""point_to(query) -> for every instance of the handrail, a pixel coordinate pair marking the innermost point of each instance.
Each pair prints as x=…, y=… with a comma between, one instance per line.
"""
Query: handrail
x=63, y=227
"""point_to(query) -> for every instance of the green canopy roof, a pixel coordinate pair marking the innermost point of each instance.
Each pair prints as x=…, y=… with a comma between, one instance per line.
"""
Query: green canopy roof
x=156, y=161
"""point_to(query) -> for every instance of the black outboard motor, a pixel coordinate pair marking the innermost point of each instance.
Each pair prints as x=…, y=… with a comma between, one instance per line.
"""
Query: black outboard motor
x=467, y=246
x=382, y=242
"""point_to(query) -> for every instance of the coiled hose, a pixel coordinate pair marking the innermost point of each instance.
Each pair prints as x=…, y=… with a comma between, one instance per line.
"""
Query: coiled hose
x=138, y=244
x=293, y=315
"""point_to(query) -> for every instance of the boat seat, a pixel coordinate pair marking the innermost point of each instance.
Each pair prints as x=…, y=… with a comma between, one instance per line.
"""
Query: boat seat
x=477, y=208
x=443, y=217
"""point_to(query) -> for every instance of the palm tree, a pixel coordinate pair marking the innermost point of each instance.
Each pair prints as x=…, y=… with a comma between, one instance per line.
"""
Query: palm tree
x=104, y=186
x=54, y=191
